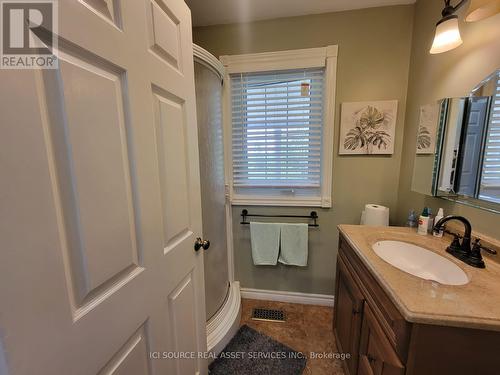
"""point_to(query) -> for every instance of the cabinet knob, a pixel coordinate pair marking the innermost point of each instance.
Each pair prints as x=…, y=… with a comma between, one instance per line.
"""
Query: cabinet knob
x=355, y=311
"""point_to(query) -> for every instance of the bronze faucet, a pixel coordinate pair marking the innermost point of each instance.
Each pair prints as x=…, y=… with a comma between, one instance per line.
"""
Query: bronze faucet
x=463, y=251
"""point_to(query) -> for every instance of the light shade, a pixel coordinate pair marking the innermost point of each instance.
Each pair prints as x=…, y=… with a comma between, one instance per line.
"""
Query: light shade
x=481, y=9
x=447, y=35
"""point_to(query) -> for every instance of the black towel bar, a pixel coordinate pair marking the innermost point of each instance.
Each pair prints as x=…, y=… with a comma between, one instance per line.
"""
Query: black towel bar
x=312, y=216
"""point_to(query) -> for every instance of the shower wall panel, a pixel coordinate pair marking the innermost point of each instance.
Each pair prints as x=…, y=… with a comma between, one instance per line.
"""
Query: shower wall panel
x=211, y=149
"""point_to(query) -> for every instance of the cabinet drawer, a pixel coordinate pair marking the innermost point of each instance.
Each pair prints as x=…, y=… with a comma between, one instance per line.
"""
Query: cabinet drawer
x=392, y=322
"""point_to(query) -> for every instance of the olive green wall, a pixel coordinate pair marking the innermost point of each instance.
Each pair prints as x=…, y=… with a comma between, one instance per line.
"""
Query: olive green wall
x=450, y=74
x=373, y=64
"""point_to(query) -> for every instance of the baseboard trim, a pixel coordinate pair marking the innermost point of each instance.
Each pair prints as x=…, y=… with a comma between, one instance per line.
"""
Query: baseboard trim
x=292, y=297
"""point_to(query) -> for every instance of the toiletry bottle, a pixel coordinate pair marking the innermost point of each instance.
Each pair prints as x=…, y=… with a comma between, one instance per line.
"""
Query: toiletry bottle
x=438, y=217
x=430, y=224
x=423, y=222
x=412, y=219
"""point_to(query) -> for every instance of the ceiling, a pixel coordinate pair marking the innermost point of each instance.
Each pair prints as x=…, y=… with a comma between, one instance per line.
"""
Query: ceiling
x=214, y=12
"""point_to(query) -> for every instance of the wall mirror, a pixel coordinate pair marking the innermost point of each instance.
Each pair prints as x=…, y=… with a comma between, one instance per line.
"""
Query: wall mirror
x=458, y=147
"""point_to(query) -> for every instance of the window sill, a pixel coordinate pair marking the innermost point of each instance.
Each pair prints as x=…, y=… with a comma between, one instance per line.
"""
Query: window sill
x=281, y=201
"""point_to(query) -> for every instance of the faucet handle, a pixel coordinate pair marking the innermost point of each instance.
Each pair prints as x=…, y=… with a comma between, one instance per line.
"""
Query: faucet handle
x=477, y=243
x=455, y=244
x=476, y=247
x=476, y=258
x=455, y=247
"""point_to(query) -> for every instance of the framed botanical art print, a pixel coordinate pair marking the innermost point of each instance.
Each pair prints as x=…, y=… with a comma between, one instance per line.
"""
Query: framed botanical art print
x=368, y=128
x=427, y=127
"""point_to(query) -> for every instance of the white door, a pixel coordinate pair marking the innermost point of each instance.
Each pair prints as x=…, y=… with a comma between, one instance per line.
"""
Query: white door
x=475, y=124
x=100, y=198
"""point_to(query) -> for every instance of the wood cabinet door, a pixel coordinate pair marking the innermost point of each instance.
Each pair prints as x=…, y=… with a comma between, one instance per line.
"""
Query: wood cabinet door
x=348, y=313
x=376, y=355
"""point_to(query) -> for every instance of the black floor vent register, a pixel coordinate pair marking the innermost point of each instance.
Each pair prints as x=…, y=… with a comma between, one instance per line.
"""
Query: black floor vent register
x=268, y=315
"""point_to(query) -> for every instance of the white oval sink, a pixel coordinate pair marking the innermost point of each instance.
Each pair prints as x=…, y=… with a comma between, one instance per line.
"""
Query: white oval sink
x=420, y=262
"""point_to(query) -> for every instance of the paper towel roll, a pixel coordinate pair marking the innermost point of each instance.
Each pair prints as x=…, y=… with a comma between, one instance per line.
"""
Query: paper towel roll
x=376, y=215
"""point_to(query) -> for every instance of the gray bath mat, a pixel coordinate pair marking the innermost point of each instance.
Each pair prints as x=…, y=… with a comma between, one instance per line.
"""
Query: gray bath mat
x=253, y=353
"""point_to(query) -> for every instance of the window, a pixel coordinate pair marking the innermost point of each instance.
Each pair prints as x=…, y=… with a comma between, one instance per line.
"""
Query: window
x=277, y=121
x=280, y=127
x=490, y=176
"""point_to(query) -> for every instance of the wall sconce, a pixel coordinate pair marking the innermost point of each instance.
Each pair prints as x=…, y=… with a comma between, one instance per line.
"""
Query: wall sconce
x=481, y=9
x=447, y=34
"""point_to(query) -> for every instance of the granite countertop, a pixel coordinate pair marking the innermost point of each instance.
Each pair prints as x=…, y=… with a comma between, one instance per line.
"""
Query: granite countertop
x=473, y=305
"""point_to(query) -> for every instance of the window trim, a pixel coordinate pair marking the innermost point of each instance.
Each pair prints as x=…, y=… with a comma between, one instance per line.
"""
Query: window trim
x=284, y=60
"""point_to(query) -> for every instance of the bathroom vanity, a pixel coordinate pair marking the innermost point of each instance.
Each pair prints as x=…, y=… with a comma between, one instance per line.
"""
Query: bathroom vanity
x=392, y=322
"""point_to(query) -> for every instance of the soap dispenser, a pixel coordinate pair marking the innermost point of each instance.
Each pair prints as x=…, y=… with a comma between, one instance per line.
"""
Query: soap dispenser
x=439, y=216
x=423, y=222
x=430, y=223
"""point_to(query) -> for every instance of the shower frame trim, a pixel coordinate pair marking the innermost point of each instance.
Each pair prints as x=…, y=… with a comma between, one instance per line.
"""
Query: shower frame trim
x=205, y=58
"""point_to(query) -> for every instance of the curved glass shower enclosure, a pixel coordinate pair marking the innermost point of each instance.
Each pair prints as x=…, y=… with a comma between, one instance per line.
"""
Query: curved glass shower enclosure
x=208, y=82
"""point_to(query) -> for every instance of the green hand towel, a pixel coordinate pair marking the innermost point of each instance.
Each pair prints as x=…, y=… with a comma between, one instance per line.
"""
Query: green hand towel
x=265, y=238
x=294, y=249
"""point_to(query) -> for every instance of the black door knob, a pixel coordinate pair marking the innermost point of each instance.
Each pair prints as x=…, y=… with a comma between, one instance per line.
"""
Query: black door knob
x=199, y=243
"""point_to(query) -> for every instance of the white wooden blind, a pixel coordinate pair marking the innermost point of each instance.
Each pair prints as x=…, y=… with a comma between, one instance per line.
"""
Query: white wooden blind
x=491, y=161
x=277, y=121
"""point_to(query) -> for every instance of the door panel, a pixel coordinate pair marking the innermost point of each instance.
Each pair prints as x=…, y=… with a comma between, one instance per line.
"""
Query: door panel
x=182, y=322
x=88, y=130
x=474, y=133
x=173, y=158
x=107, y=9
x=348, y=313
x=101, y=198
x=132, y=358
x=164, y=33
x=376, y=355
x=364, y=367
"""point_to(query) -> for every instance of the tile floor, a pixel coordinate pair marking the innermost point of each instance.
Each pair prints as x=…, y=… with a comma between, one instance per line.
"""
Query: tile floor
x=308, y=329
